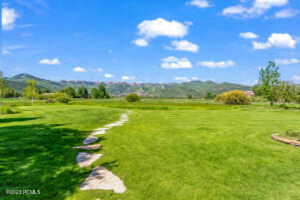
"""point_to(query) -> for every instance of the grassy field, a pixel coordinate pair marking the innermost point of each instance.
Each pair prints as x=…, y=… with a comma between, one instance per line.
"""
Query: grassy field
x=169, y=150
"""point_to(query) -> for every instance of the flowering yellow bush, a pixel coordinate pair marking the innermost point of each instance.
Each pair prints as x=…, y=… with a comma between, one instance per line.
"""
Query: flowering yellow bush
x=234, y=97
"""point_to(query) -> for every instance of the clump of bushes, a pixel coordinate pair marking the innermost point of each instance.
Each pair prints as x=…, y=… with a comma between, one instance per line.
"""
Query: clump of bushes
x=6, y=110
x=133, y=98
x=234, y=97
x=56, y=97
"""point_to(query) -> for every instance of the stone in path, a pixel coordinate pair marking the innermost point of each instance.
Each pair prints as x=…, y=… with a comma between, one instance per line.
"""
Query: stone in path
x=90, y=139
x=86, y=159
x=88, y=147
x=102, y=179
x=100, y=131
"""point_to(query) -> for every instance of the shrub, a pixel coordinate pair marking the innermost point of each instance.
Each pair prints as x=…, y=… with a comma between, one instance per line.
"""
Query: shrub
x=133, y=98
x=234, y=97
x=56, y=97
x=63, y=98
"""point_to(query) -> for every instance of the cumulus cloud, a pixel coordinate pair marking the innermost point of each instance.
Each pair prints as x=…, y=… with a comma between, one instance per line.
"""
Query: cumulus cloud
x=219, y=64
x=287, y=61
x=9, y=17
x=286, y=13
x=108, y=75
x=79, y=69
x=141, y=42
x=296, y=78
x=279, y=40
x=182, y=78
x=173, y=62
x=128, y=78
x=54, y=61
x=184, y=45
x=200, y=3
x=149, y=29
x=194, y=78
x=249, y=35
x=259, y=7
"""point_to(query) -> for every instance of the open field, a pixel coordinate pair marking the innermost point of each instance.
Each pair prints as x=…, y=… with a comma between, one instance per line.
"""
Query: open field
x=169, y=150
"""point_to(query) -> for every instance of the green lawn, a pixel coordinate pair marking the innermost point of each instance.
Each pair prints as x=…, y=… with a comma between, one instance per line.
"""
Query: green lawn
x=167, y=151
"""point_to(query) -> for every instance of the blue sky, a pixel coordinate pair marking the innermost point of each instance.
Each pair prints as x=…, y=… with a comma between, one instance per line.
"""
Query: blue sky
x=150, y=41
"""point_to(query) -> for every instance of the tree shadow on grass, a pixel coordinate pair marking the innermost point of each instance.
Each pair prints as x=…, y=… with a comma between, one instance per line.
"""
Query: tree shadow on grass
x=39, y=157
x=8, y=120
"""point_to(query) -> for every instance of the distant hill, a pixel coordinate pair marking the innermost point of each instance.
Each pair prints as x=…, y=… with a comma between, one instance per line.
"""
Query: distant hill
x=162, y=90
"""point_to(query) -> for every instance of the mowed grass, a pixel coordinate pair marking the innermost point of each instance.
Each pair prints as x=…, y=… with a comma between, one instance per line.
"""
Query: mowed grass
x=36, y=149
x=165, y=152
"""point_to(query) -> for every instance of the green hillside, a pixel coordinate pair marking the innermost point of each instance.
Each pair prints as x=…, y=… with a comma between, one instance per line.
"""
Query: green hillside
x=164, y=90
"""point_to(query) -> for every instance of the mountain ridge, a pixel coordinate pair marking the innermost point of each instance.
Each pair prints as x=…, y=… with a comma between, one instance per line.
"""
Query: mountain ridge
x=162, y=90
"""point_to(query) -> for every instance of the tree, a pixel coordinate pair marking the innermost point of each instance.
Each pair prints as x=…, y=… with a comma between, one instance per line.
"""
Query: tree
x=83, y=92
x=95, y=93
x=210, y=95
x=6, y=91
x=31, y=91
x=70, y=91
x=286, y=92
x=102, y=91
x=269, y=79
x=3, y=87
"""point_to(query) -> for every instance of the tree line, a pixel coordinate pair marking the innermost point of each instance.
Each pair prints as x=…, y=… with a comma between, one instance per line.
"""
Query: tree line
x=273, y=89
x=31, y=91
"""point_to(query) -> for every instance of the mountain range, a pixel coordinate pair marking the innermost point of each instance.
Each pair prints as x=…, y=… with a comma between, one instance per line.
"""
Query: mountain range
x=196, y=89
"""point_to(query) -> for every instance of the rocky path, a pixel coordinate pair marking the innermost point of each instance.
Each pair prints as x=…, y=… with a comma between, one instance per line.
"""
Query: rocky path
x=100, y=178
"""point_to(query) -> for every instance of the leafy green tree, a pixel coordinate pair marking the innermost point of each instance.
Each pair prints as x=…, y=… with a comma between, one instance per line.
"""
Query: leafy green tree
x=3, y=87
x=31, y=91
x=95, y=93
x=83, y=92
x=70, y=91
x=287, y=92
x=210, y=95
x=269, y=79
x=6, y=91
x=102, y=91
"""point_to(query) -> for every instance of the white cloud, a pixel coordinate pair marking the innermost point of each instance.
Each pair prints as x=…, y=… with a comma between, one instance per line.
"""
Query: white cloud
x=279, y=40
x=287, y=61
x=149, y=29
x=8, y=49
x=99, y=70
x=200, y=3
x=286, y=13
x=184, y=45
x=296, y=78
x=195, y=78
x=9, y=17
x=175, y=63
x=261, y=46
x=249, y=35
x=183, y=79
x=259, y=7
x=79, y=69
x=54, y=61
x=141, y=42
x=162, y=27
x=108, y=75
x=220, y=64
x=128, y=78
